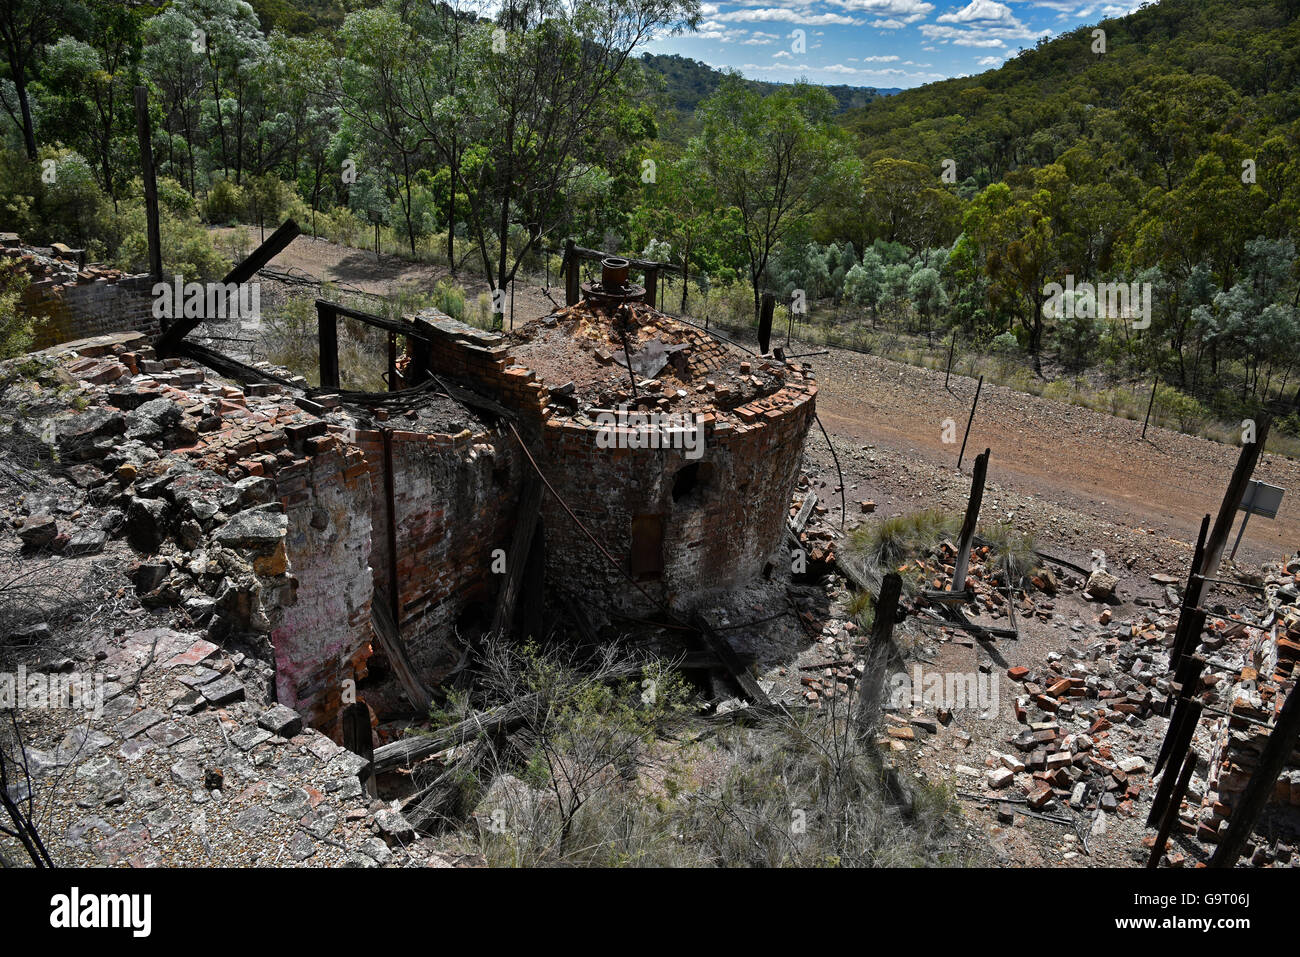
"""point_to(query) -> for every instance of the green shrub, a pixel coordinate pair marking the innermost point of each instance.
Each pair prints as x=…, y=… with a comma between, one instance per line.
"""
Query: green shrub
x=225, y=203
x=15, y=325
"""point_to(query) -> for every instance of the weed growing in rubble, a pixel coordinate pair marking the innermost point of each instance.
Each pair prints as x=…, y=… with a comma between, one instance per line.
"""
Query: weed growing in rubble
x=1011, y=550
x=862, y=608
x=889, y=542
x=607, y=767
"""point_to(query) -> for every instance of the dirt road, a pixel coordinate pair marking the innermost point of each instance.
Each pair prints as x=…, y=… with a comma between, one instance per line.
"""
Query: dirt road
x=1088, y=461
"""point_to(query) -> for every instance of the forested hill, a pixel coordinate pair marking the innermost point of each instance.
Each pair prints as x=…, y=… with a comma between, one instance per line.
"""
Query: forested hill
x=688, y=82
x=1042, y=102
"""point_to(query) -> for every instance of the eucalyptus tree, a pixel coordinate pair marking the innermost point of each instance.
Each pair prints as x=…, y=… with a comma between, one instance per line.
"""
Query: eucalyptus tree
x=773, y=158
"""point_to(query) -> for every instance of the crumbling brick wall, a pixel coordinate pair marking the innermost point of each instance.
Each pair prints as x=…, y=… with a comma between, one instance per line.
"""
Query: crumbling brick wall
x=455, y=499
x=323, y=638
x=97, y=305
x=715, y=536
x=1257, y=694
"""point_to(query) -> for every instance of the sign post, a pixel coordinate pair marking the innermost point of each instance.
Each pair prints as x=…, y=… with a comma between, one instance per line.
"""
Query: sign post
x=1260, y=499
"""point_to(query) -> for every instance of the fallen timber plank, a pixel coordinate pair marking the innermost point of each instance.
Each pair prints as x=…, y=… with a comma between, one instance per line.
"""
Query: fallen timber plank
x=246, y=270
x=517, y=558
x=417, y=747
x=805, y=512
x=395, y=650
x=732, y=663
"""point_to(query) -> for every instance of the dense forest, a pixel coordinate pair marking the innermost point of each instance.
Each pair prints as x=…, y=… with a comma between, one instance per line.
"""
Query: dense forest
x=1164, y=157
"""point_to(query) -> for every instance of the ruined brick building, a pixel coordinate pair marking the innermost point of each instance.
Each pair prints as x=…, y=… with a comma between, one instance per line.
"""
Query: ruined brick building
x=656, y=462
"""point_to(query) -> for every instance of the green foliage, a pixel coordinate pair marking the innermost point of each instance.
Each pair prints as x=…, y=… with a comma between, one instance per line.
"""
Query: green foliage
x=225, y=203
x=15, y=325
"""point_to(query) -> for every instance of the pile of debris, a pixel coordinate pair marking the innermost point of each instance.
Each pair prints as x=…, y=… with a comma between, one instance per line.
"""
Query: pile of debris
x=55, y=265
x=595, y=358
x=1253, y=655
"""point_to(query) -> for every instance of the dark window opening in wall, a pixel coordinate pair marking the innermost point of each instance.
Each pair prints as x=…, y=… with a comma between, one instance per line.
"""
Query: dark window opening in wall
x=646, y=559
x=691, y=481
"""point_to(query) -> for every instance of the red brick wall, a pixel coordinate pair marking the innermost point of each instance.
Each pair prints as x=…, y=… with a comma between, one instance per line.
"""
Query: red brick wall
x=455, y=499
x=714, y=538
x=323, y=638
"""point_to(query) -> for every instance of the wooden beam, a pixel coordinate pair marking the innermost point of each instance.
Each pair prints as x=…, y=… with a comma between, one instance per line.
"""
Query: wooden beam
x=526, y=518
x=327, y=335
x=970, y=521
x=246, y=270
x=1191, y=622
x=652, y=286
x=390, y=641
x=355, y=719
x=767, y=309
x=880, y=652
x=805, y=512
x=571, y=291
x=415, y=748
x=1170, y=816
x=1178, y=752
x=582, y=252
x=731, y=662
x=1246, y=462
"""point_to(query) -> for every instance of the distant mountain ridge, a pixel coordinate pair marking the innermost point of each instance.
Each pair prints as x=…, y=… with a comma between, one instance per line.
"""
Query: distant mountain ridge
x=688, y=81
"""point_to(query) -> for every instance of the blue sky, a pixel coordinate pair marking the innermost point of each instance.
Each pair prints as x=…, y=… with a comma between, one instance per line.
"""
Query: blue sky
x=881, y=43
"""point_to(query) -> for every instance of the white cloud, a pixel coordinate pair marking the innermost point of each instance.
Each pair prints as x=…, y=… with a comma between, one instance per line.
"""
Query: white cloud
x=981, y=11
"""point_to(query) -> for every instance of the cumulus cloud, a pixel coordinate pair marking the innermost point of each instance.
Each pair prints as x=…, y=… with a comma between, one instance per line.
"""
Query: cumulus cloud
x=981, y=11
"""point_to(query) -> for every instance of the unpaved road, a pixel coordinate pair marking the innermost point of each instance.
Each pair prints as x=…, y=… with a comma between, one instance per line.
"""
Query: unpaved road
x=1092, y=463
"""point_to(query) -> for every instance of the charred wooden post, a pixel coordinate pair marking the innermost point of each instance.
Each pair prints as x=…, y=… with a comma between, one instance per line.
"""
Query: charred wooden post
x=571, y=291
x=355, y=719
x=765, y=314
x=1178, y=752
x=652, y=287
x=517, y=558
x=1246, y=462
x=1171, y=811
x=246, y=270
x=145, y=134
x=327, y=334
x=879, y=654
x=392, y=362
x=970, y=521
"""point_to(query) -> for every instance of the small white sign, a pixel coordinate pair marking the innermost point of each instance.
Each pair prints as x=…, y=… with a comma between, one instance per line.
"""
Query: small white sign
x=1262, y=499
